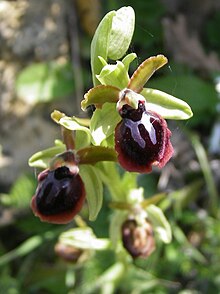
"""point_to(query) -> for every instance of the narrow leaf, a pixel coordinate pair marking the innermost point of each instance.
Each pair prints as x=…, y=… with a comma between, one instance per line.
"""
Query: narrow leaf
x=160, y=224
x=100, y=95
x=145, y=71
x=121, y=32
x=94, y=189
x=166, y=105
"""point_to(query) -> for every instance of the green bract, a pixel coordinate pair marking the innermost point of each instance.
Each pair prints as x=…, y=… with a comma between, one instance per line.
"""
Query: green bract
x=112, y=38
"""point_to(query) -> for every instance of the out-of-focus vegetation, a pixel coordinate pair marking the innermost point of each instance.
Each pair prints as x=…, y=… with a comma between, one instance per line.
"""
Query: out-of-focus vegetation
x=190, y=263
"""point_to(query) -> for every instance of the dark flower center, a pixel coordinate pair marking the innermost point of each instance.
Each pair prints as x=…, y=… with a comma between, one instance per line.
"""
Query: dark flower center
x=59, y=191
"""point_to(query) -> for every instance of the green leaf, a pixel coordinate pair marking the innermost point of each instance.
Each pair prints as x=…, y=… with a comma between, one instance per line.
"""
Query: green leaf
x=83, y=238
x=103, y=123
x=43, y=82
x=100, y=95
x=114, y=75
x=42, y=158
x=166, y=105
x=121, y=32
x=160, y=224
x=94, y=154
x=94, y=189
x=145, y=71
x=100, y=44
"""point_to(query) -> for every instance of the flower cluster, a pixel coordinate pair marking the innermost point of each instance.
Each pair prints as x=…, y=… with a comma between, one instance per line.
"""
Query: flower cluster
x=128, y=127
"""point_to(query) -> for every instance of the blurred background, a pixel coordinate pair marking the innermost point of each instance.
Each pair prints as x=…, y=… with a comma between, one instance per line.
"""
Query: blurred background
x=45, y=65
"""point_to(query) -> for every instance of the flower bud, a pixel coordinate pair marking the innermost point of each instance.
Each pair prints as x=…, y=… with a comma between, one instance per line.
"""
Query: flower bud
x=142, y=139
x=138, y=240
x=67, y=252
x=59, y=196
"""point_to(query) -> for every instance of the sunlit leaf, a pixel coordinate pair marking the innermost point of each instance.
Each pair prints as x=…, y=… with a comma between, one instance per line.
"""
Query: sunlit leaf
x=166, y=105
x=94, y=189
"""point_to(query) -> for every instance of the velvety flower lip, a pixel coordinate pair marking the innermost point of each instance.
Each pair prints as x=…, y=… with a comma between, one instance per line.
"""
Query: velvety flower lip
x=138, y=240
x=142, y=139
x=59, y=196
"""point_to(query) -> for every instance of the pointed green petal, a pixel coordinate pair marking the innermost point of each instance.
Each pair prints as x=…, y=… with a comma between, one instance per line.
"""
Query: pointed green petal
x=145, y=71
x=99, y=95
x=166, y=105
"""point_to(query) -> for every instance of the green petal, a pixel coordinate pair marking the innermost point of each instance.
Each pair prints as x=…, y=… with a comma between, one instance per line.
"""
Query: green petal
x=100, y=44
x=166, y=105
x=145, y=71
x=121, y=32
x=100, y=95
x=94, y=154
x=103, y=123
x=94, y=189
x=160, y=224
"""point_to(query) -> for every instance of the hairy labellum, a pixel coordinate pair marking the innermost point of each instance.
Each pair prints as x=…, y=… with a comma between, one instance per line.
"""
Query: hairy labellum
x=59, y=196
x=142, y=139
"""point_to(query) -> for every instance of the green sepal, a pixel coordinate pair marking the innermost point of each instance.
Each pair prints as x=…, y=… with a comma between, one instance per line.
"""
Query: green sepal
x=94, y=154
x=166, y=105
x=160, y=224
x=145, y=70
x=42, y=158
x=103, y=123
x=100, y=44
x=94, y=189
x=121, y=32
x=114, y=75
x=100, y=95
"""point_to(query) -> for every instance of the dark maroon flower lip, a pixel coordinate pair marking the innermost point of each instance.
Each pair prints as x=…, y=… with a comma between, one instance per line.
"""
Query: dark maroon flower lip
x=142, y=139
x=59, y=196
